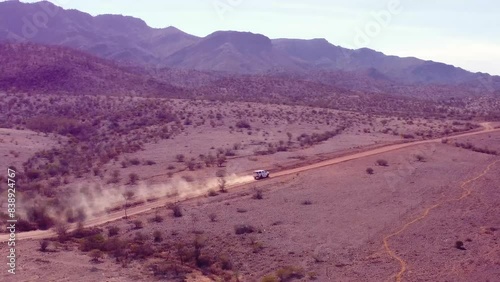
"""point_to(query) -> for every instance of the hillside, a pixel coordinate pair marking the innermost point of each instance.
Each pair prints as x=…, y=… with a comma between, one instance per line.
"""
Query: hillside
x=109, y=36
x=130, y=40
x=51, y=69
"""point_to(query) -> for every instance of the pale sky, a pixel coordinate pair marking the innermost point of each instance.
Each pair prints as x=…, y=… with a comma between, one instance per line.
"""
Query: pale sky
x=464, y=33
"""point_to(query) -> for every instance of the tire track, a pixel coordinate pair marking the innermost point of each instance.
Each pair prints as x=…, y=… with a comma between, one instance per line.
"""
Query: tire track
x=465, y=193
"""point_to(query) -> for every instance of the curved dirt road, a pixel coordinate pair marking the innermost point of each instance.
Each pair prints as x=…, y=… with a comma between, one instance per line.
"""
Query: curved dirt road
x=40, y=234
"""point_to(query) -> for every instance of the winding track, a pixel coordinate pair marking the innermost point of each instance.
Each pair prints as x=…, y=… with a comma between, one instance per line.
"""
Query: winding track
x=465, y=193
x=42, y=234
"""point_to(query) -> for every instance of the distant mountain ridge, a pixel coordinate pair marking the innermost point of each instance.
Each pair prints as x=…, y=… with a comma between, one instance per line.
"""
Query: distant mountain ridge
x=130, y=40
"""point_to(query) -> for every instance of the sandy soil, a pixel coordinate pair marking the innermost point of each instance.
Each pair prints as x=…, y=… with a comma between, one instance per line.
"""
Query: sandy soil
x=16, y=146
x=401, y=223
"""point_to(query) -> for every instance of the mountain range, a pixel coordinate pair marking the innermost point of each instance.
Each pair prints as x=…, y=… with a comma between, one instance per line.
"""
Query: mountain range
x=131, y=42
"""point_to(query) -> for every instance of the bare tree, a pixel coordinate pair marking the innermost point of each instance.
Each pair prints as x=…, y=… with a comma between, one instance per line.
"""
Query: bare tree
x=128, y=196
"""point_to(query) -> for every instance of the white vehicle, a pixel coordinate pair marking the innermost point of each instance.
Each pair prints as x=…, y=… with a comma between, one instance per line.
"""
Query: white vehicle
x=260, y=174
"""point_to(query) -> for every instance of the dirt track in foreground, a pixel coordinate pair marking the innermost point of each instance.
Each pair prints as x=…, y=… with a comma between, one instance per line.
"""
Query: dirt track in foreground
x=42, y=234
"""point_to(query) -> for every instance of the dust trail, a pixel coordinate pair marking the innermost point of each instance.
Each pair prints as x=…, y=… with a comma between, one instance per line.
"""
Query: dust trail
x=95, y=200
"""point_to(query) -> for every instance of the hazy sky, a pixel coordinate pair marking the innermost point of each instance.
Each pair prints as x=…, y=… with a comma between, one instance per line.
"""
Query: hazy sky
x=465, y=33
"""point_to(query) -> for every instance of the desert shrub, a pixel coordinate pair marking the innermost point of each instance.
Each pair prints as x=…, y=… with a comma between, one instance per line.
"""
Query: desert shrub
x=191, y=165
x=33, y=175
x=221, y=159
x=420, y=158
x=140, y=237
x=459, y=245
x=62, y=231
x=96, y=255
x=270, y=278
x=92, y=243
x=212, y=193
x=133, y=178
x=241, y=210
x=157, y=236
x=44, y=244
x=138, y=224
x=241, y=229
x=382, y=162
x=81, y=232
x=115, y=177
x=312, y=275
x=408, y=136
x=225, y=262
x=157, y=218
x=39, y=216
x=199, y=243
x=221, y=182
x=176, y=210
x=24, y=225
x=135, y=161
x=149, y=162
x=288, y=273
x=113, y=231
x=370, y=170
x=212, y=217
x=180, y=158
x=258, y=194
x=306, y=203
x=243, y=124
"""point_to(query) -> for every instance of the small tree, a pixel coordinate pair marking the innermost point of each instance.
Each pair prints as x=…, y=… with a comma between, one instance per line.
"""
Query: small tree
x=62, y=231
x=133, y=178
x=222, y=184
x=128, y=196
x=115, y=177
x=221, y=159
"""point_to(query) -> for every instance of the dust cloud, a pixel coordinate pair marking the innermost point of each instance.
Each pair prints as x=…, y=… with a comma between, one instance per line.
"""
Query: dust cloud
x=96, y=200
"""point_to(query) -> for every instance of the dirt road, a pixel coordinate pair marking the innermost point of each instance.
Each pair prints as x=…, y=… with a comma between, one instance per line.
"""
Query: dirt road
x=39, y=234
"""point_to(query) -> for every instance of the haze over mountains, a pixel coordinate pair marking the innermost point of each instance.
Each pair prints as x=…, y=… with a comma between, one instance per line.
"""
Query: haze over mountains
x=131, y=41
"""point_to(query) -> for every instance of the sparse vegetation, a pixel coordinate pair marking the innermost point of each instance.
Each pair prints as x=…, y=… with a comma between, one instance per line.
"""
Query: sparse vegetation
x=176, y=210
x=113, y=231
x=44, y=244
x=258, y=194
x=244, y=229
x=382, y=162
